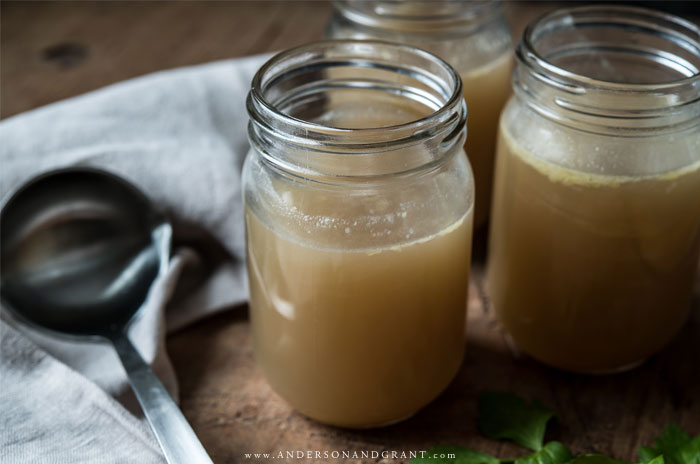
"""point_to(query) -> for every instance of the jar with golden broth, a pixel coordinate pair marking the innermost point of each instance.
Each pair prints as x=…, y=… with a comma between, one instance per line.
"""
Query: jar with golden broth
x=595, y=233
x=472, y=36
x=358, y=206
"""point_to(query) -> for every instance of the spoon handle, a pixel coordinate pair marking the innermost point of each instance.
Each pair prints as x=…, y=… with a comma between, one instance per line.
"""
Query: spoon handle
x=175, y=436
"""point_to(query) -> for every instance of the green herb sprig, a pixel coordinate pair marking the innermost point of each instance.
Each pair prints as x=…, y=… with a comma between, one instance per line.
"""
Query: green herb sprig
x=505, y=416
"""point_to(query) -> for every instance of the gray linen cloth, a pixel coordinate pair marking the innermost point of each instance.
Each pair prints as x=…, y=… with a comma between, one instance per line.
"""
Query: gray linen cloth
x=180, y=136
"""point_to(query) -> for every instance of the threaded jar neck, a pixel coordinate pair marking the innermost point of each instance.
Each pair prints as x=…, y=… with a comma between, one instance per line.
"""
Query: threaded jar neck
x=444, y=17
x=611, y=70
x=355, y=109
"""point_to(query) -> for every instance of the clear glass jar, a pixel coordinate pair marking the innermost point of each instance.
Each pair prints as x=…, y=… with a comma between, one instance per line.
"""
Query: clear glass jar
x=358, y=205
x=472, y=36
x=595, y=231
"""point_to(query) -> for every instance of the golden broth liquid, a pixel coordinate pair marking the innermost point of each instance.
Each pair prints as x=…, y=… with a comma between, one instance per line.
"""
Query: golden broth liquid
x=588, y=272
x=486, y=90
x=358, y=337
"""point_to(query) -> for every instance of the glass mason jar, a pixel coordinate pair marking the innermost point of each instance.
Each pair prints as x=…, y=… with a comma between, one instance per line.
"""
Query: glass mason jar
x=595, y=232
x=358, y=206
x=472, y=36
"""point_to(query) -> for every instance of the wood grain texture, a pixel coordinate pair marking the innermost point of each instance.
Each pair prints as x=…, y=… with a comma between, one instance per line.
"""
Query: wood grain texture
x=128, y=39
x=234, y=410
x=53, y=50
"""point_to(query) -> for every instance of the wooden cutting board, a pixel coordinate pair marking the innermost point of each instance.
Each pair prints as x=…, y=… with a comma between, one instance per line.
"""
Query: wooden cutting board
x=235, y=412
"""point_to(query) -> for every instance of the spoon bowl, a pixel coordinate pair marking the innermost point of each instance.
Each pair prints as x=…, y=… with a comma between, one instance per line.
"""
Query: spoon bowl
x=80, y=249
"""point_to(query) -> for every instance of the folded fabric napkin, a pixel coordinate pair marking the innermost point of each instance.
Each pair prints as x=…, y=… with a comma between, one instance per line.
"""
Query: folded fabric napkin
x=180, y=136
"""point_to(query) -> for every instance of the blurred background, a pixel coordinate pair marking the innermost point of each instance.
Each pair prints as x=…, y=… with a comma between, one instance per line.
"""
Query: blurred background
x=58, y=49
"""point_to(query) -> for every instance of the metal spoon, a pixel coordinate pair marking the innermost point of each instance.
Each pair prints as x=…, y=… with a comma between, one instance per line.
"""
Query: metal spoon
x=80, y=249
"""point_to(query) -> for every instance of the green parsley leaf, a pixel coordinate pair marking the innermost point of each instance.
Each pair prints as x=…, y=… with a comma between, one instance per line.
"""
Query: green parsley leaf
x=690, y=452
x=596, y=459
x=507, y=416
x=602, y=459
x=676, y=446
x=670, y=440
x=552, y=453
x=462, y=456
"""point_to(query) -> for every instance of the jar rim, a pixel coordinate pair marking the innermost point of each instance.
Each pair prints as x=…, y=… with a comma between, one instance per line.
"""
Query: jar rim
x=262, y=111
x=437, y=17
x=634, y=17
x=643, y=65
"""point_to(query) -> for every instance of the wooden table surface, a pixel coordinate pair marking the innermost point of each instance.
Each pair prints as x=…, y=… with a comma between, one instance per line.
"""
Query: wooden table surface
x=54, y=50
